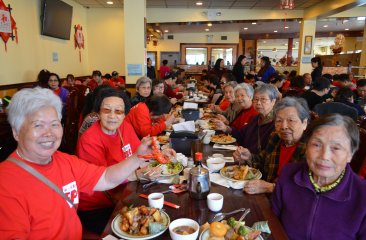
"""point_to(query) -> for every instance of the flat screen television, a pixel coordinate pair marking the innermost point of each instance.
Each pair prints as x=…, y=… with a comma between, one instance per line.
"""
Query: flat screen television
x=56, y=19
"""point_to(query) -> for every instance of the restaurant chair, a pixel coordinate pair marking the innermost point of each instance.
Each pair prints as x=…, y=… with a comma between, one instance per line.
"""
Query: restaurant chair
x=336, y=107
x=71, y=124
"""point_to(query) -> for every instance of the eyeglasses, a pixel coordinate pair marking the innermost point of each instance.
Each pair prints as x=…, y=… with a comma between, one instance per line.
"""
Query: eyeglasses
x=262, y=100
x=222, y=83
x=108, y=111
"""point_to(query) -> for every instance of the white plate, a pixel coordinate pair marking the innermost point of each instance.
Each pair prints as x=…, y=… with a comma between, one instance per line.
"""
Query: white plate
x=118, y=231
x=233, y=140
x=206, y=234
x=238, y=184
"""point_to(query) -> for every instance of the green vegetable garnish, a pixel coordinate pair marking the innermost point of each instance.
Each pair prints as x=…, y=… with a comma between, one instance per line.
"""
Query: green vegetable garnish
x=243, y=230
x=231, y=222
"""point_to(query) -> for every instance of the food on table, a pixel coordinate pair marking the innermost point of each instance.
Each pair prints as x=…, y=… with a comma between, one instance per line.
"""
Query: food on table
x=142, y=220
x=184, y=230
x=169, y=168
x=207, y=116
x=163, y=139
x=239, y=172
x=222, y=138
x=231, y=230
x=156, y=153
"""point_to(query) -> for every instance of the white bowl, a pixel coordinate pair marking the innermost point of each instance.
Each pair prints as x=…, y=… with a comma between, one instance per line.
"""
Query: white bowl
x=237, y=184
x=215, y=164
x=184, y=222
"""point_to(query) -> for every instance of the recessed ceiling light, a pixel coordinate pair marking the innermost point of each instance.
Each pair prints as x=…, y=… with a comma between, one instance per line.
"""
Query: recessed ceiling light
x=299, y=21
x=325, y=26
x=254, y=23
x=207, y=29
x=199, y=3
x=286, y=27
x=166, y=30
x=285, y=44
x=361, y=18
x=209, y=24
x=264, y=41
x=157, y=30
x=245, y=28
x=275, y=31
x=109, y=2
x=346, y=29
x=345, y=20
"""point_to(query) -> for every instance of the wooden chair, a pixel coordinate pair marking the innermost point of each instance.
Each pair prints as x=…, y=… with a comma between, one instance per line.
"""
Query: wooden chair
x=359, y=158
x=71, y=124
x=336, y=107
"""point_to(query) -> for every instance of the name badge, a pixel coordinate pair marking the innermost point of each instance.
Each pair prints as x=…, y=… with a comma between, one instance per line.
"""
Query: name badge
x=127, y=151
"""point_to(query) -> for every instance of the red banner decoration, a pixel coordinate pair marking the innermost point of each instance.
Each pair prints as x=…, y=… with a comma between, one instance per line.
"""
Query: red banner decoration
x=79, y=38
x=8, y=27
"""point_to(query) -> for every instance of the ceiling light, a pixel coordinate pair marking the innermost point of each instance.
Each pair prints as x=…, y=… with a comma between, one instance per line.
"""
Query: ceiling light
x=109, y=2
x=264, y=41
x=245, y=28
x=209, y=24
x=361, y=18
x=285, y=44
x=286, y=27
x=254, y=23
x=346, y=29
x=325, y=26
x=157, y=30
x=207, y=29
x=299, y=21
x=345, y=20
x=199, y=3
x=218, y=14
x=166, y=30
x=275, y=31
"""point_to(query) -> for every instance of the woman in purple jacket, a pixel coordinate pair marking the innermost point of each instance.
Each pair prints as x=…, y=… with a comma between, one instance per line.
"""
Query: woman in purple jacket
x=323, y=199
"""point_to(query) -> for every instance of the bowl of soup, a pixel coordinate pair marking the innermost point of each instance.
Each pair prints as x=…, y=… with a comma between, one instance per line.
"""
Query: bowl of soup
x=184, y=229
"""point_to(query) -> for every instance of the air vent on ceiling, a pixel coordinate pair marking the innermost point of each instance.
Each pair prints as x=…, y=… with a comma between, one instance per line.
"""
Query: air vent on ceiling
x=170, y=36
x=223, y=37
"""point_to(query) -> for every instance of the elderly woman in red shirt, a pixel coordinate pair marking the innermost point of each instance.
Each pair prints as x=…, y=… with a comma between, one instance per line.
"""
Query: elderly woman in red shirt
x=148, y=118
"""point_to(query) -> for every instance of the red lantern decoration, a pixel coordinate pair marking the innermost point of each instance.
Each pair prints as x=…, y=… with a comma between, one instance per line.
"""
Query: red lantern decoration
x=287, y=4
x=8, y=27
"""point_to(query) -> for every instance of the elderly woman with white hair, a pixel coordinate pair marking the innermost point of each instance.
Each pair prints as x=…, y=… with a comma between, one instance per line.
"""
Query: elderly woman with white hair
x=243, y=98
x=143, y=90
x=30, y=208
x=286, y=144
x=254, y=135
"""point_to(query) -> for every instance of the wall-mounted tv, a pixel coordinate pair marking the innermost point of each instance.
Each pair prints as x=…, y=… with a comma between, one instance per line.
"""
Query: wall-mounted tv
x=56, y=19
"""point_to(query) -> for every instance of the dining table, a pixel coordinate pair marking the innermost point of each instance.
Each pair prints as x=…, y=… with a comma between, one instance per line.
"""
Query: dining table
x=129, y=194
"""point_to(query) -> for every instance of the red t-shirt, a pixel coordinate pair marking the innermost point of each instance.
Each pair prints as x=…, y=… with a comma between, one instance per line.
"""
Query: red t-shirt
x=224, y=104
x=139, y=118
x=244, y=117
x=285, y=156
x=29, y=209
x=104, y=150
x=92, y=84
x=163, y=70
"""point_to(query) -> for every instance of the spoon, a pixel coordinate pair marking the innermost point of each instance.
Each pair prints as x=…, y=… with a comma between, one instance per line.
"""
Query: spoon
x=220, y=216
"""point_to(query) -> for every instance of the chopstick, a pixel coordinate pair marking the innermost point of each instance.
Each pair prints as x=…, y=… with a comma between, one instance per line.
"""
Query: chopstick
x=165, y=202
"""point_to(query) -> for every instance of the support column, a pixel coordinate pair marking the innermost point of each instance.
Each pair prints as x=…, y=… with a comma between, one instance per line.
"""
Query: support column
x=290, y=44
x=306, y=48
x=135, y=39
x=362, y=71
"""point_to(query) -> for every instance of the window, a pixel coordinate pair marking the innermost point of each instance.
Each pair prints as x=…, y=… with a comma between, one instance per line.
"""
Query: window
x=224, y=53
x=196, y=56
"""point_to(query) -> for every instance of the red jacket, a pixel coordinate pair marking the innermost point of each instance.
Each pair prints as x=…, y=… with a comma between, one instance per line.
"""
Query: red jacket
x=139, y=118
x=244, y=117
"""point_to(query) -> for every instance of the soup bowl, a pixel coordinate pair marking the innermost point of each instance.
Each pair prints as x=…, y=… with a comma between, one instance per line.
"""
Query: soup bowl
x=177, y=225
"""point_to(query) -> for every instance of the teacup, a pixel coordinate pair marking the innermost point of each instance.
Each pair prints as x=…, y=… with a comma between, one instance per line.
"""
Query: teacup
x=156, y=200
x=215, y=201
x=207, y=138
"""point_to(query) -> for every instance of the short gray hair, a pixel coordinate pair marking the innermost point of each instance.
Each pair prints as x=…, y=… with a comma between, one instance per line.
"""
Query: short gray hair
x=299, y=104
x=268, y=89
x=349, y=126
x=248, y=89
x=143, y=80
x=31, y=100
x=232, y=84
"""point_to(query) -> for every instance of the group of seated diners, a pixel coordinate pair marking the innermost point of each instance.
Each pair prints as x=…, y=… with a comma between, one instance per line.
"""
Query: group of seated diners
x=304, y=160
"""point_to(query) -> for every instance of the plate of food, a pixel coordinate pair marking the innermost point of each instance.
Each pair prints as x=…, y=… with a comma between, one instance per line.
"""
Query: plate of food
x=229, y=230
x=237, y=175
x=164, y=139
x=140, y=223
x=223, y=139
x=168, y=169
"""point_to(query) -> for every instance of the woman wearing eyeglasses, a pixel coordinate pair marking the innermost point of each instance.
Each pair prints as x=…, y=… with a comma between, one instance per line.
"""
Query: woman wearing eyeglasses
x=107, y=142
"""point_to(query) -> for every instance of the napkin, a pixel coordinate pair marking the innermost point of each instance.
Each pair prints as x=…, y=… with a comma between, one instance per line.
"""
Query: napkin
x=184, y=126
x=218, y=179
x=190, y=105
x=226, y=147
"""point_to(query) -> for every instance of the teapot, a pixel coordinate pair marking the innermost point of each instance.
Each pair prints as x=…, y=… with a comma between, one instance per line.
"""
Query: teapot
x=199, y=180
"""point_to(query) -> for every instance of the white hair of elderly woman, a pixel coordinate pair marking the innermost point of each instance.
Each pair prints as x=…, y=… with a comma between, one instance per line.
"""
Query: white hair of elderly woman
x=247, y=88
x=31, y=100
